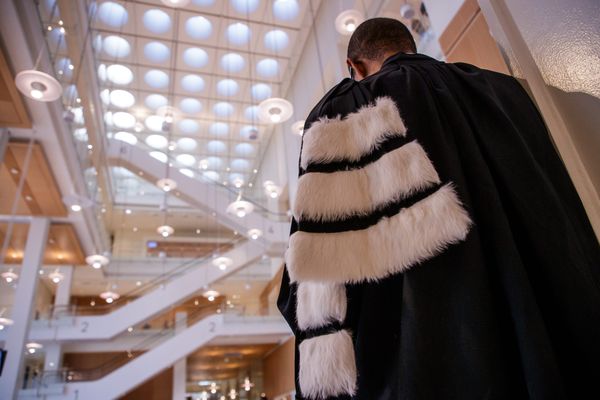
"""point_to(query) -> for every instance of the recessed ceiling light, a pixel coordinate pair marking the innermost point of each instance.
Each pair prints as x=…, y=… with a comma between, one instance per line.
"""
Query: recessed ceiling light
x=227, y=87
x=261, y=91
x=211, y=176
x=216, y=146
x=188, y=126
x=186, y=159
x=276, y=40
x=192, y=83
x=240, y=165
x=190, y=106
x=223, y=109
x=125, y=137
x=187, y=172
x=176, y=3
x=112, y=14
x=187, y=144
x=156, y=79
x=156, y=52
x=155, y=101
x=198, y=28
x=267, y=67
x=195, y=57
x=244, y=149
x=214, y=162
x=159, y=155
x=121, y=98
x=219, y=129
x=232, y=62
x=251, y=113
x=245, y=6
x=123, y=120
x=154, y=123
x=119, y=74
x=285, y=10
x=116, y=46
x=157, y=141
x=238, y=33
x=157, y=21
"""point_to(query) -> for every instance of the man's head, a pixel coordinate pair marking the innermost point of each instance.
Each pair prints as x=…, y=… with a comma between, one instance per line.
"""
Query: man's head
x=375, y=40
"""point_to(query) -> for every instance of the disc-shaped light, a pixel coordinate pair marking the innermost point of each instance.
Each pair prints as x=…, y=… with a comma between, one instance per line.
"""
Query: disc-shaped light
x=119, y=74
x=237, y=180
x=166, y=184
x=112, y=14
x=156, y=52
x=125, y=137
x=240, y=208
x=123, y=120
x=109, y=296
x=165, y=230
x=192, y=83
x=227, y=87
x=219, y=129
x=4, y=322
x=157, y=141
x=232, y=62
x=254, y=233
x=238, y=33
x=159, y=155
x=261, y=91
x=195, y=57
x=276, y=40
x=298, y=127
x=186, y=159
x=347, y=21
x=157, y=21
x=245, y=6
x=38, y=85
x=56, y=277
x=121, y=98
x=188, y=126
x=198, y=28
x=154, y=123
x=216, y=146
x=9, y=276
x=223, y=109
x=116, y=46
x=156, y=79
x=222, y=262
x=190, y=106
x=275, y=110
x=187, y=144
x=271, y=189
x=32, y=347
x=267, y=67
x=211, y=295
x=97, y=261
x=285, y=10
x=155, y=101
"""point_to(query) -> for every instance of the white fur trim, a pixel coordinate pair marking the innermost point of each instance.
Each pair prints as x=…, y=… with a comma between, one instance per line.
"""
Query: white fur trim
x=319, y=304
x=327, y=366
x=354, y=136
x=392, y=245
x=335, y=195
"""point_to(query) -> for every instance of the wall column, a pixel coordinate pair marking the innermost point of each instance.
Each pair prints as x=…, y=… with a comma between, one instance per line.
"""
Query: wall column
x=180, y=367
x=16, y=336
x=53, y=359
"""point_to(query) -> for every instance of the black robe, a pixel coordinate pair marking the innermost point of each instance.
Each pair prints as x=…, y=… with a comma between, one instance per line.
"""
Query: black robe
x=510, y=309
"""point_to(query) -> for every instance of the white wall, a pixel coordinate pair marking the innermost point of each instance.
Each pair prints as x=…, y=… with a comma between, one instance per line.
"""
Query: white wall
x=441, y=13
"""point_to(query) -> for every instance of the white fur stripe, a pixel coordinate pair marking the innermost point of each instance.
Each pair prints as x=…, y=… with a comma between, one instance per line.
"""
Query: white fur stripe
x=333, y=196
x=392, y=245
x=327, y=366
x=354, y=136
x=319, y=304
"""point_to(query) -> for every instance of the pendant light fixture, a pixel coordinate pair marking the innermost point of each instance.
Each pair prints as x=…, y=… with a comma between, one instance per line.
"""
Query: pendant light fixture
x=298, y=127
x=347, y=21
x=5, y=321
x=9, y=276
x=109, y=296
x=275, y=110
x=254, y=233
x=166, y=184
x=38, y=85
x=240, y=208
x=211, y=295
x=97, y=261
x=32, y=347
x=56, y=277
x=247, y=385
x=271, y=189
x=222, y=262
x=165, y=230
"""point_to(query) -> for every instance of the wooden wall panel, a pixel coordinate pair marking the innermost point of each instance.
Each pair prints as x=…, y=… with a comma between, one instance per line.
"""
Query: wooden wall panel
x=278, y=369
x=12, y=110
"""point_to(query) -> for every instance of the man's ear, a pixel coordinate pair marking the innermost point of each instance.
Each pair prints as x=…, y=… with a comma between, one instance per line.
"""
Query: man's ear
x=360, y=69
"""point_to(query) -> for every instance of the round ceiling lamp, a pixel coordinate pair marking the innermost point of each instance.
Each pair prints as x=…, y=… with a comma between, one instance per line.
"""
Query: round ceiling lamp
x=275, y=110
x=109, y=296
x=9, y=276
x=298, y=127
x=211, y=295
x=271, y=189
x=347, y=21
x=240, y=208
x=166, y=184
x=97, y=261
x=254, y=233
x=4, y=322
x=38, y=85
x=32, y=347
x=176, y=3
x=165, y=230
x=222, y=262
x=56, y=277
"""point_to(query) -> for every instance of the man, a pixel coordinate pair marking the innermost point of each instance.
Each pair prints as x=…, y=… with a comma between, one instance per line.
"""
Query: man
x=438, y=247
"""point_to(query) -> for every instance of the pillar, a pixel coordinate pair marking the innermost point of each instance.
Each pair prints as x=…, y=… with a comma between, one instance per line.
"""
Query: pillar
x=53, y=351
x=16, y=336
x=180, y=367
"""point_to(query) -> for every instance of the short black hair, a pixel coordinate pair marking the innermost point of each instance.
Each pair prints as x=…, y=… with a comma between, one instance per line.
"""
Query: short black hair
x=377, y=36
